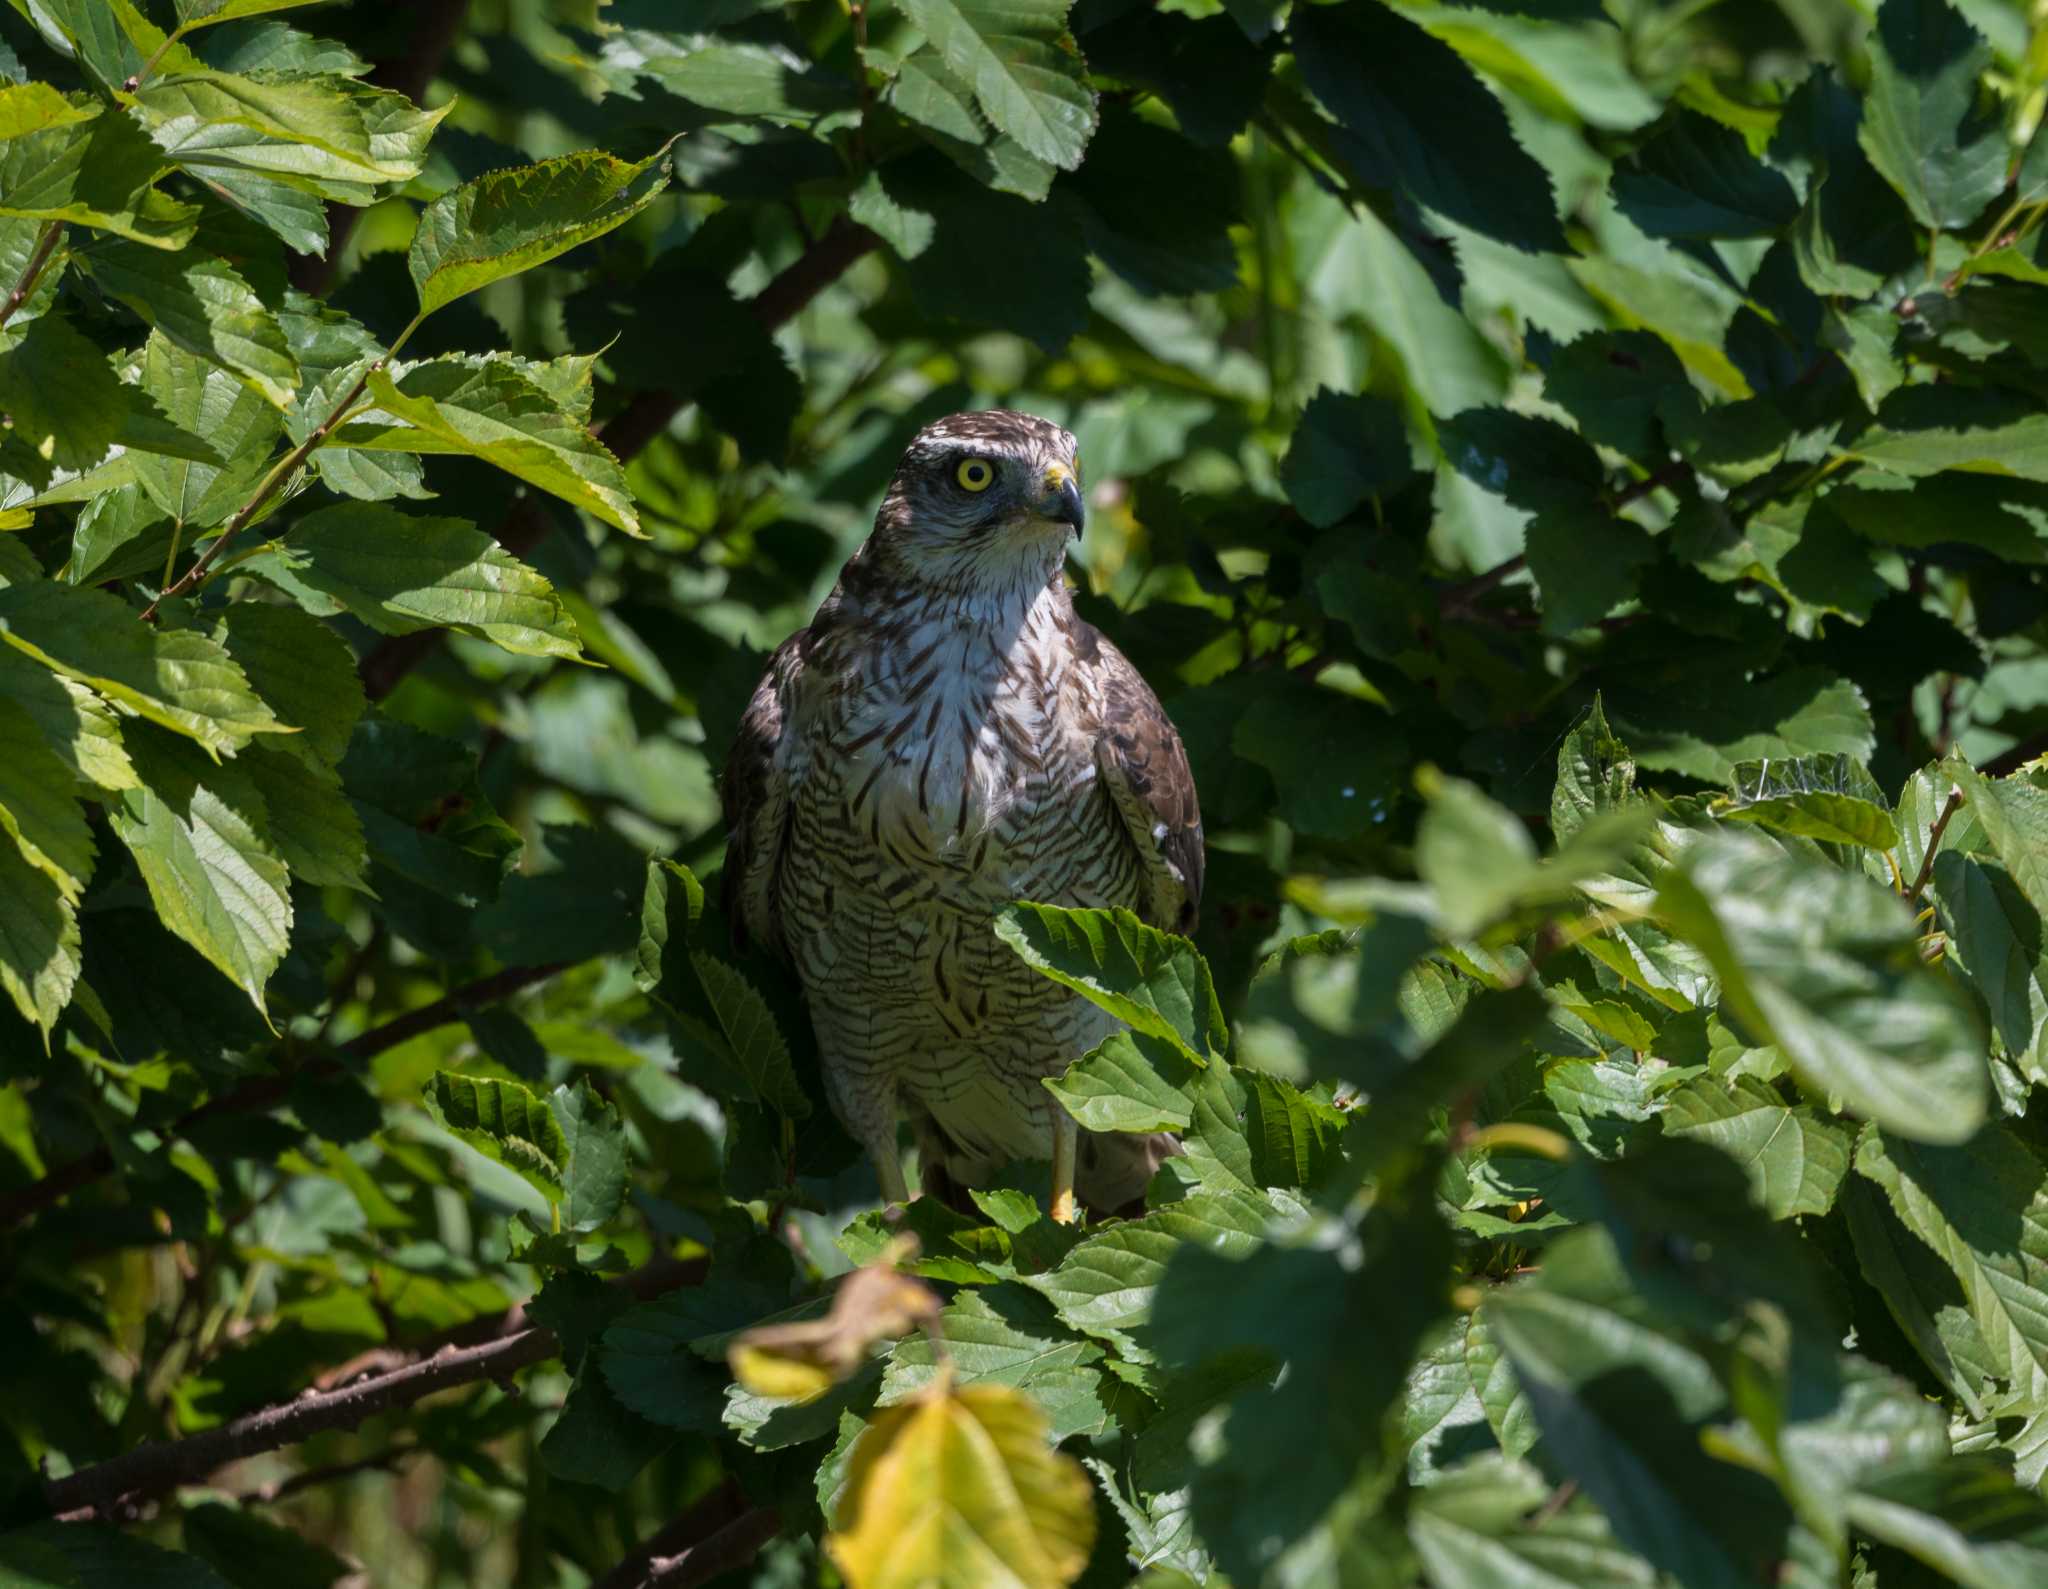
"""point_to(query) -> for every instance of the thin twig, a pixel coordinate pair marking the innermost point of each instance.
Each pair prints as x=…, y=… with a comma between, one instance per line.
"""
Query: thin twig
x=272, y=483
x=46, y=245
x=158, y=1466
x=695, y=1524
x=308, y=1478
x=1955, y=799
x=734, y=1545
x=1459, y=597
x=1673, y=473
x=267, y=1092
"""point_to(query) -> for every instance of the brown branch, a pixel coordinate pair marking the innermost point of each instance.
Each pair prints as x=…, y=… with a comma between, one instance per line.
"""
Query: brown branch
x=1955, y=799
x=123, y=1481
x=435, y=24
x=46, y=245
x=267, y=1092
x=384, y=1461
x=121, y=1485
x=1459, y=597
x=1670, y=475
x=695, y=1524
x=734, y=1545
x=627, y=433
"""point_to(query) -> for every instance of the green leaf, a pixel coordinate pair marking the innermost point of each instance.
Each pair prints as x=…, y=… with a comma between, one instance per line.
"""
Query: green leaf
x=252, y=1552
x=1414, y=117
x=333, y=136
x=1707, y=724
x=200, y=837
x=1009, y=1336
x=74, y=1555
x=597, y=1440
x=313, y=826
x=594, y=1185
x=1981, y=1208
x=1104, y=1286
x=200, y=397
x=1825, y=964
x=196, y=14
x=1154, y=982
x=401, y=572
x=38, y=808
x=1923, y=431
x=759, y=1054
x=1122, y=1084
x=179, y=679
x=485, y=407
x=1965, y=1517
x=1997, y=936
x=1595, y=774
x=2013, y=813
x=202, y=304
x=1698, y=178
x=1927, y=124
x=749, y=80
x=301, y=667
x=504, y=1121
x=97, y=172
x=64, y=400
x=1795, y=1158
x=39, y=945
x=1832, y=798
x=74, y=722
x=1344, y=450
x=510, y=221
x=1025, y=72
x=1486, y=1523
x=929, y=93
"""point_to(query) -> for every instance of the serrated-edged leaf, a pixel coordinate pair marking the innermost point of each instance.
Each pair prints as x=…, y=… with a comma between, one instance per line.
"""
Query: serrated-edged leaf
x=1104, y=1286
x=19, y=241
x=1706, y=726
x=508, y=221
x=1926, y=122
x=313, y=825
x=73, y=1555
x=1485, y=1524
x=929, y=93
x=99, y=172
x=339, y=137
x=1997, y=936
x=960, y=1488
x=207, y=401
x=487, y=407
x=759, y=1053
x=62, y=398
x=1832, y=798
x=401, y=572
x=1414, y=116
x=1127, y=1082
x=38, y=808
x=594, y=1186
x=177, y=678
x=1983, y=1209
x=1026, y=75
x=301, y=667
x=1794, y=1157
x=1699, y=179
x=1968, y=1518
x=202, y=304
x=504, y=1120
x=39, y=944
x=1824, y=963
x=72, y=720
x=1008, y=1336
x=2013, y=813
x=658, y=1356
x=1344, y=450
x=1595, y=773
x=1153, y=981
x=597, y=1440
x=200, y=835
x=196, y=14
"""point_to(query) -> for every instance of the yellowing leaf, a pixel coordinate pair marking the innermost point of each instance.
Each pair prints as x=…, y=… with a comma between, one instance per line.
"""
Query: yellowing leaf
x=958, y=1489
x=806, y=1359
x=768, y=1372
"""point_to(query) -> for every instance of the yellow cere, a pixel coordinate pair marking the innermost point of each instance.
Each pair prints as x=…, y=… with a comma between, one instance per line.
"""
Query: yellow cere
x=976, y=474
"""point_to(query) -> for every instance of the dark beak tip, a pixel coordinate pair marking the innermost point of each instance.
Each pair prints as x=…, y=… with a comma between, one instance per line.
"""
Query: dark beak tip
x=1073, y=511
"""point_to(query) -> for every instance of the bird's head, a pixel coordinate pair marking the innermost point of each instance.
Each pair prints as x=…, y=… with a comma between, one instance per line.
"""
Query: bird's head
x=991, y=496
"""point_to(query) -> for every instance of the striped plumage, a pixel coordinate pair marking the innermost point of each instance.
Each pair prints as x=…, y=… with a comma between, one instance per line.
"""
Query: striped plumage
x=948, y=736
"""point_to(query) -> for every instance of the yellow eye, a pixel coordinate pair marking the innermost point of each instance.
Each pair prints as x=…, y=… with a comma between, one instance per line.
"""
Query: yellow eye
x=975, y=474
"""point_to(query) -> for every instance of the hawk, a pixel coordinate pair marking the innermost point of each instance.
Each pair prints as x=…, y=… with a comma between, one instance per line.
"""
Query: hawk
x=948, y=736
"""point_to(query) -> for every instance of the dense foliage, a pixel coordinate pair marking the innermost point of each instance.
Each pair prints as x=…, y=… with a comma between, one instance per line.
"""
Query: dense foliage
x=1576, y=474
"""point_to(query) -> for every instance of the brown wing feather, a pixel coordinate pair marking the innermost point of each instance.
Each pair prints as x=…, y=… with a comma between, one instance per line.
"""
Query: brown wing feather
x=754, y=789
x=1140, y=759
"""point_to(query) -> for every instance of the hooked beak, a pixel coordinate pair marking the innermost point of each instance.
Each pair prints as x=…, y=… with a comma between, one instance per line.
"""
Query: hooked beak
x=1061, y=500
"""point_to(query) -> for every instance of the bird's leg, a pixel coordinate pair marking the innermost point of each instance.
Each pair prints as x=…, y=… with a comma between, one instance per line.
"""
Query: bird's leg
x=1066, y=1138
x=889, y=1171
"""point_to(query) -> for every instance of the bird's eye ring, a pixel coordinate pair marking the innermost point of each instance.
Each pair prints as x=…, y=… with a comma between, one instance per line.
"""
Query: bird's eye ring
x=975, y=474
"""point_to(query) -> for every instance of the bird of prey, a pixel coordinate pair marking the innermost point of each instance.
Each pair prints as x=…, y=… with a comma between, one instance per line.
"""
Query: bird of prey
x=946, y=737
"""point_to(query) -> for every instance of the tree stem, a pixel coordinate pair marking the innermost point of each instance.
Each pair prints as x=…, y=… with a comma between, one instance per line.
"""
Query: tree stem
x=46, y=245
